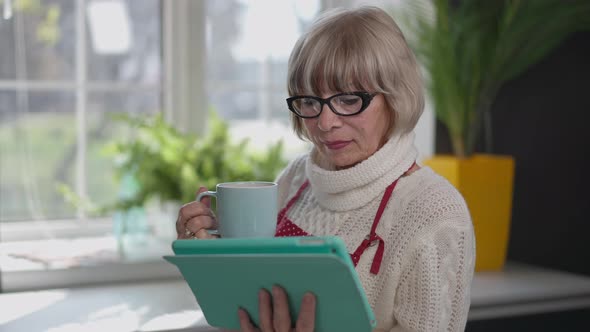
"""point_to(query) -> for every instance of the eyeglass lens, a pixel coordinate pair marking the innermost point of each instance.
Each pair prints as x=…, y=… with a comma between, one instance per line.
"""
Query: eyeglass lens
x=344, y=104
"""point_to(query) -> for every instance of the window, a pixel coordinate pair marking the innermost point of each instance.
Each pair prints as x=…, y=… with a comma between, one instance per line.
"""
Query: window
x=65, y=65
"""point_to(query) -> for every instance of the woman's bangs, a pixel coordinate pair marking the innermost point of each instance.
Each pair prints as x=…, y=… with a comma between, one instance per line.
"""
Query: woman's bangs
x=338, y=62
x=329, y=71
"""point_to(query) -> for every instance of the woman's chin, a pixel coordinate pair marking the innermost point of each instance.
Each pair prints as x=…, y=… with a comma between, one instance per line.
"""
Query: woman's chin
x=343, y=162
x=336, y=160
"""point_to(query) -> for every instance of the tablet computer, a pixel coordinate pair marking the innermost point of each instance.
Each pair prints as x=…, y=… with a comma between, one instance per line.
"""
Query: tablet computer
x=227, y=274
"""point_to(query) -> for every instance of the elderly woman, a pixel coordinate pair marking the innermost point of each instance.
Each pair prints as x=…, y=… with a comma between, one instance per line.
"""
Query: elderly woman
x=356, y=93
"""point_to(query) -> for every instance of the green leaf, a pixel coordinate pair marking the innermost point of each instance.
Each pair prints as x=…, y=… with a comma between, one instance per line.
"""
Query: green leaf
x=170, y=166
x=471, y=49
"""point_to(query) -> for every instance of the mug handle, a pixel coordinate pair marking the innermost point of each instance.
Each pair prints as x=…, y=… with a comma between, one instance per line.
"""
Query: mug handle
x=198, y=199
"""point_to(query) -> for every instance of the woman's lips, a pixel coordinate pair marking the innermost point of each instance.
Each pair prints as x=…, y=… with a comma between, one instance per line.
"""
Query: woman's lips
x=336, y=145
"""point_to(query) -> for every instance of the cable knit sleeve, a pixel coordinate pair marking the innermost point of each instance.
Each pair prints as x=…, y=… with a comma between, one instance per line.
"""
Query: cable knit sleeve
x=434, y=289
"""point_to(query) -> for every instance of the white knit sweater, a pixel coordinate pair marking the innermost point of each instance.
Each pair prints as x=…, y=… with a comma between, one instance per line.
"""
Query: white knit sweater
x=425, y=276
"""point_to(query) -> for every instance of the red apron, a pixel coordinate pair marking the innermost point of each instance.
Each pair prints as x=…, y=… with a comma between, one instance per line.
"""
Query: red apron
x=286, y=227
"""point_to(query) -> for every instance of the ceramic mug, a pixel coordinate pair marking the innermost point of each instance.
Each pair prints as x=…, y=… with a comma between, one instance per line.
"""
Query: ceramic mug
x=245, y=209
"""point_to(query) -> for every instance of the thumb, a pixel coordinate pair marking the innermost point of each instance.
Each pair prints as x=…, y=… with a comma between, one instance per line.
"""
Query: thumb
x=205, y=200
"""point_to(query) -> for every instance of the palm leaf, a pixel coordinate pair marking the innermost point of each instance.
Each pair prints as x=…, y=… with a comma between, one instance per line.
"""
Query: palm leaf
x=470, y=50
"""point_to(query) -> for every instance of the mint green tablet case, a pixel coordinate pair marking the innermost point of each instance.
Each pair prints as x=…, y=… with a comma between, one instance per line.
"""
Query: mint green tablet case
x=226, y=274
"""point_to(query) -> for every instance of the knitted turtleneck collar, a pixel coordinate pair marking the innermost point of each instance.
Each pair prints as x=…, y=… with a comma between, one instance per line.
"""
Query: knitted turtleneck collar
x=352, y=188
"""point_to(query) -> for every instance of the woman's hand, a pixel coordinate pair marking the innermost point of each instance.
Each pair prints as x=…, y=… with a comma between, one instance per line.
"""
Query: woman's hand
x=195, y=218
x=274, y=313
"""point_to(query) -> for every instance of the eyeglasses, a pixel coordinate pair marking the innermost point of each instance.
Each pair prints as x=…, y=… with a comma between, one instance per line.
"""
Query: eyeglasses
x=344, y=104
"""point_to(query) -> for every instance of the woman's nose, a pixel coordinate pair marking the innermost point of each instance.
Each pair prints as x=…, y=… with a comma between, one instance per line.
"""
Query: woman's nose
x=328, y=119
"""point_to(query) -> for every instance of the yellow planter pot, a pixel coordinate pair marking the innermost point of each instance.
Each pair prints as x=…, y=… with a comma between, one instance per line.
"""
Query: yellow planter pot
x=486, y=183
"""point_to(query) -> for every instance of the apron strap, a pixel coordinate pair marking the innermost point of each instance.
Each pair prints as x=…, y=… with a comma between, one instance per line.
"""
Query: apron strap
x=292, y=201
x=372, y=238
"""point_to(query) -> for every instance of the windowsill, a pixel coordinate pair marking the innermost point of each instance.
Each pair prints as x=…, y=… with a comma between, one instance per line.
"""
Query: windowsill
x=147, y=306
x=168, y=305
x=109, y=266
x=72, y=253
x=104, y=275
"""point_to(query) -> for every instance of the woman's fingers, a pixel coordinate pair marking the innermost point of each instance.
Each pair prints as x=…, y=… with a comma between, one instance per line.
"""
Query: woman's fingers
x=281, y=318
x=274, y=313
x=265, y=310
x=204, y=234
x=204, y=221
x=198, y=227
x=193, y=217
x=205, y=200
x=306, y=318
x=194, y=209
x=245, y=323
x=187, y=228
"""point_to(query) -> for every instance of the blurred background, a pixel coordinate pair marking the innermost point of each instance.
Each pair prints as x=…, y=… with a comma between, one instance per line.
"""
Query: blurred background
x=107, y=107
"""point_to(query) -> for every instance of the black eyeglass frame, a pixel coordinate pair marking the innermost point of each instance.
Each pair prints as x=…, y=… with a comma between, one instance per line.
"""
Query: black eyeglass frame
x=366, y=99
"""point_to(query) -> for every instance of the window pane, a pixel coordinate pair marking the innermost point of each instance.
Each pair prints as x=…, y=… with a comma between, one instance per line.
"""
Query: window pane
x=248, y=47
x=38, y=148
x=7, y=65
x=11, y=192
x=102, y=129
x=278, y=73
x=261, y=125
x=49, y=35
x=242, y=104
x=124, y=41
x=236, y=105
x=250, y=41
x=278, y=105
x=223, y=28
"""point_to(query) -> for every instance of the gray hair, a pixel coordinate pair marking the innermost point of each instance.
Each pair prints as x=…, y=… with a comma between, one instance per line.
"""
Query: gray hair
x=359, y=49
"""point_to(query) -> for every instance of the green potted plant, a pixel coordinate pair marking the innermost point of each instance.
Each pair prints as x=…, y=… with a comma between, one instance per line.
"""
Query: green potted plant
x=168, y=165
x=159, y=168
x=469, y=50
